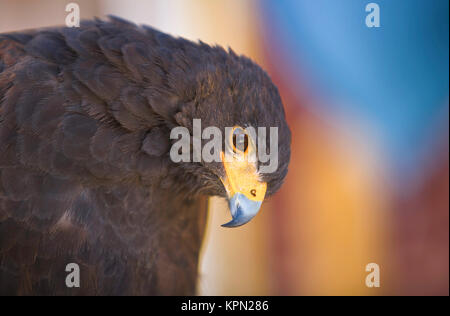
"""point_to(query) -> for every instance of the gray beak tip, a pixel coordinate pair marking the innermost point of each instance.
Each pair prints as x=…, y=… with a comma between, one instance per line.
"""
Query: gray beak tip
x=242, y=210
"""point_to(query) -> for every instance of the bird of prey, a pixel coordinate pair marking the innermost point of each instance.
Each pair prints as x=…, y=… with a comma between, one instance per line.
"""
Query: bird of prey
x=85, y=171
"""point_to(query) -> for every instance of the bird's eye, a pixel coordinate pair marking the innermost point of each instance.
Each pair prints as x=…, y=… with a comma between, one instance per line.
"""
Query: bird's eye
x=253, y=192
x=240, y=140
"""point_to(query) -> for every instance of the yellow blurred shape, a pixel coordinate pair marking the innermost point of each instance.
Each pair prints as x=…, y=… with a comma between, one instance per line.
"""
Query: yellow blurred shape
x=335, y=221
x=234, y=260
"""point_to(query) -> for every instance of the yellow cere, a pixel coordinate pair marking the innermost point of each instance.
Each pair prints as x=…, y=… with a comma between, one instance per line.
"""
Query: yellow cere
x=242, y=177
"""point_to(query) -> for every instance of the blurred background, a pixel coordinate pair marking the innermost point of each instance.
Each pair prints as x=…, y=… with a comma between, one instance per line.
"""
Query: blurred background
x=368, y=110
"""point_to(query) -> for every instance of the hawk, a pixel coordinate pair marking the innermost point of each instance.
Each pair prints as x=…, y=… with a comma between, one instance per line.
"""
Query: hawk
x=85, y=170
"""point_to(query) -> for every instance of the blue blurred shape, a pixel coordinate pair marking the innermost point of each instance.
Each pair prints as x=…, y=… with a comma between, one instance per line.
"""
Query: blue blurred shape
x=394, y=77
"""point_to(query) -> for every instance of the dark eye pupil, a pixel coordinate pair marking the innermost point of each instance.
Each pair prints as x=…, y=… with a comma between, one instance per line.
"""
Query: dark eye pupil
x=240, y=140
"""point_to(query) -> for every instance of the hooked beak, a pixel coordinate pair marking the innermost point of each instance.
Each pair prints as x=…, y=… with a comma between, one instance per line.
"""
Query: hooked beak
x=244, y=189
x=242, y=210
